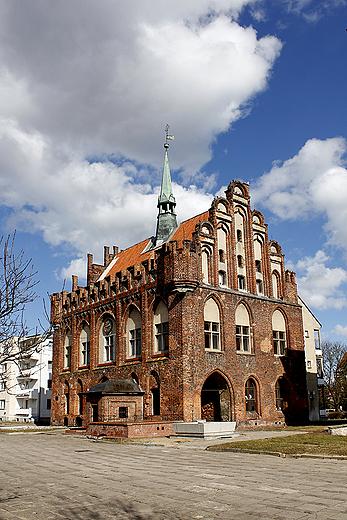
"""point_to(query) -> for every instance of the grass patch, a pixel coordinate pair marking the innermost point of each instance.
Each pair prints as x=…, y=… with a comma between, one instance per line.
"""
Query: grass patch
x=320, y=443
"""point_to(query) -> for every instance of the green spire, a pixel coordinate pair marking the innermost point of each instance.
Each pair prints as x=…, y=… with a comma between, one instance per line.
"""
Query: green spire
x=167, y=222
x=166, y=194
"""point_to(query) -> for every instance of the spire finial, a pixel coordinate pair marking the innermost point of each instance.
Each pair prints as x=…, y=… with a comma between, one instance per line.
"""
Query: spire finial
x=168, y=137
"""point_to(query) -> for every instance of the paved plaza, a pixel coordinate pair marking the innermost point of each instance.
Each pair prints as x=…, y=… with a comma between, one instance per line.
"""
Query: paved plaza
x=50, y=476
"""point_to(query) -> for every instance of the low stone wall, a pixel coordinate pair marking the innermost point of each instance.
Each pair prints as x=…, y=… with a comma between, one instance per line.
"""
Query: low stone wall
x=338, y=430
x=205, y=430
x=130, y=430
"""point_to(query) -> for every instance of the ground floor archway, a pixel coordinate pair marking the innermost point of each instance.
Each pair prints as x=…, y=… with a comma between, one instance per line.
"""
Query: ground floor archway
x=216, y=399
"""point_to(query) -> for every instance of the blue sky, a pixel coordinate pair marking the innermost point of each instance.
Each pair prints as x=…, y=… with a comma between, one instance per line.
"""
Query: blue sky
x=252, y=90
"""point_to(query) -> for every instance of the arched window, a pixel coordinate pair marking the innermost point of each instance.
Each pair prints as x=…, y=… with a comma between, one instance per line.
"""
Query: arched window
x=80, y=396
x=275, y=284
x=260, y=289
x=154, y=385
x=251, y=396
x=279, y=333
x=222, y=278
x=211, y=325
x=161, y=328
x=241, y=282
x=85, y=345
x=134, y=326
x=67, y=398
x=242, y=329
x=108, y=340
x=222, y=255
x=67, y=350
x=204, y=265
x=279, y=394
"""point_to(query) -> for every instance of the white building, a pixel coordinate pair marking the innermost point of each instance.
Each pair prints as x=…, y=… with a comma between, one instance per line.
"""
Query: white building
x=314, y=363
x=25, y=386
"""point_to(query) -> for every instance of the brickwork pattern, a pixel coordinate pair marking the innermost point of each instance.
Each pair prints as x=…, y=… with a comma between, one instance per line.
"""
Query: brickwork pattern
x=173, y=274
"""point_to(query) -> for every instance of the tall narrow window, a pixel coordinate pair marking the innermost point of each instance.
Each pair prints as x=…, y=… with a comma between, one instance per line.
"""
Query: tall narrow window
x=239, y=261
x=275, y=284
x=239, y=235
x=279, y=333
x=85, y=345
x=134, y=326
x=241, y=283
x=260, y=289
x=161, y=328
x=251, y=396
x=279, y=394
x=204, y=265
x=108, y=340
x=242, y=329
x=222, y=277
x=67, y=350
x=211, y=325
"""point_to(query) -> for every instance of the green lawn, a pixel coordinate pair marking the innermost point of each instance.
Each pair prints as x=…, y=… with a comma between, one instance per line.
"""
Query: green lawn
x=319, y=443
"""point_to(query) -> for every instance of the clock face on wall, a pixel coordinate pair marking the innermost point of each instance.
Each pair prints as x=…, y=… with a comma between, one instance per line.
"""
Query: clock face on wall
x=108, y=326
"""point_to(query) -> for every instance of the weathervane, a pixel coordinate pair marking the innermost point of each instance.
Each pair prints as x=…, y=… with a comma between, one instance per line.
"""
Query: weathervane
x=168, y=137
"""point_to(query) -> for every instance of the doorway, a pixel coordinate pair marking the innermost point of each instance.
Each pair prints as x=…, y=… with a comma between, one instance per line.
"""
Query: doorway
x=215, y=399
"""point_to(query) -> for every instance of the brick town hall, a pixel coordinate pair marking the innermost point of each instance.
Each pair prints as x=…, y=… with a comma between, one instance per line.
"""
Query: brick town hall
x=201, y=321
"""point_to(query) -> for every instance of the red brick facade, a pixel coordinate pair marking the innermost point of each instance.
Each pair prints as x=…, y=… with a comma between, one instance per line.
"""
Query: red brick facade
x=223, y=254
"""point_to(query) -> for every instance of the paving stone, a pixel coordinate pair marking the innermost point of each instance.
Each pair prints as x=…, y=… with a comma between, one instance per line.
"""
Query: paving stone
x=58, y=477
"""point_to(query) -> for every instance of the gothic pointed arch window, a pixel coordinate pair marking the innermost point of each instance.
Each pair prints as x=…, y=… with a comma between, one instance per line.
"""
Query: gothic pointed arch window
x=279, y=333
x=251, y=396
x=134, y=334
x=212, y=325
x=279, y=394
x=205, y=265
x=85, y=345
x=67, y=350
x=222, y=234
x=275, y=284
x=161, y=328
x=243, y=343
x=108, y=340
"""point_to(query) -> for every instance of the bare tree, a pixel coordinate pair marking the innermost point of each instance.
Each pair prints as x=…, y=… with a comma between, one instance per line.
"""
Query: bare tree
x=17, y=289
x=335, y=372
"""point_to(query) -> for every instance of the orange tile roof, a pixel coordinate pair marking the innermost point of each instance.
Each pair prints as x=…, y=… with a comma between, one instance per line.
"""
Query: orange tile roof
x=134, y=255
x=187, y=228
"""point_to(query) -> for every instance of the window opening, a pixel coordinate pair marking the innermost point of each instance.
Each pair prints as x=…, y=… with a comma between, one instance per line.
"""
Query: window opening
x=279, y=340
x=279, y=394
x=242, y=338
x=241, y=282
x=211, y=335
x=123, y=412
x=259, y=284
x=162, y=336
x=250, y=396
x=135, y=342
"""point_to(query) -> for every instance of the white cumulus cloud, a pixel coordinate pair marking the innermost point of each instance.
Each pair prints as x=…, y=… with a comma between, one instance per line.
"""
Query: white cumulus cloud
x=314, y=182
x=340, y=330
x=320, y=286
x=86, y=91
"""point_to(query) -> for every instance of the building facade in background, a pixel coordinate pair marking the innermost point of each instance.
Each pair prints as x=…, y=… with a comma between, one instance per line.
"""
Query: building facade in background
x=25, y=385
x=203, y=318
x=314, y=364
